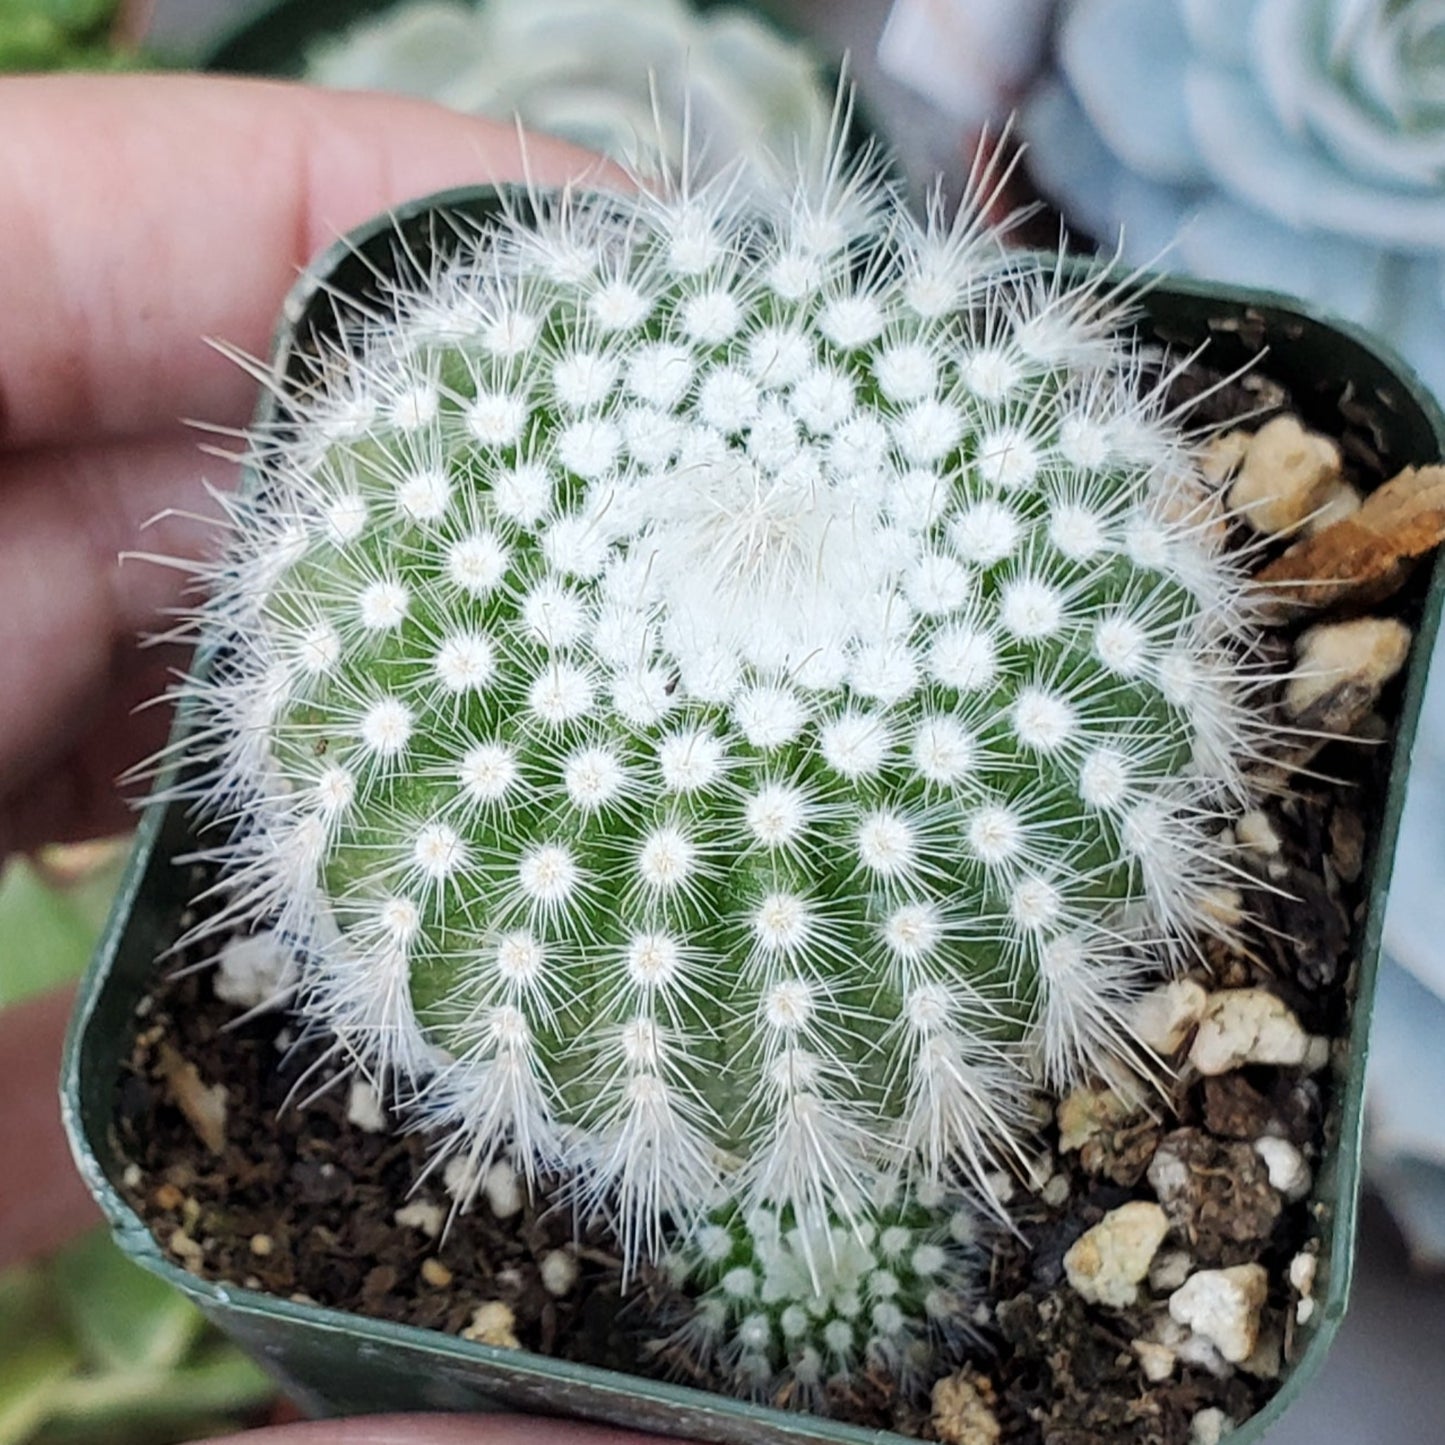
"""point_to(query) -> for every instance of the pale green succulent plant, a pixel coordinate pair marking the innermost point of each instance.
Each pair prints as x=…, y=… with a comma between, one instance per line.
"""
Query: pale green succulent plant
x=648, y=82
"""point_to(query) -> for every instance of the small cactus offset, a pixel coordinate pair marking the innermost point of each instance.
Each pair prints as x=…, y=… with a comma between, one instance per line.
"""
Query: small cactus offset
x=789, y=1301
x=731, y=696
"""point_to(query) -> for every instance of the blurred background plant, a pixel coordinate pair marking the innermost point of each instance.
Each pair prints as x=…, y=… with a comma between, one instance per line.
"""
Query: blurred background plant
x=610, y=75
x=70, y=35
x=92, y=1348
x=52, y=906
x=1297, y=145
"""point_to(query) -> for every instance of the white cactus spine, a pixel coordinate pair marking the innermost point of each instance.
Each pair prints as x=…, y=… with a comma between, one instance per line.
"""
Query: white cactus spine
x=731, y=700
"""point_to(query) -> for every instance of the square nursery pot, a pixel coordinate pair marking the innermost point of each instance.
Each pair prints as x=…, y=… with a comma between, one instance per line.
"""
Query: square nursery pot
x=337, y=1363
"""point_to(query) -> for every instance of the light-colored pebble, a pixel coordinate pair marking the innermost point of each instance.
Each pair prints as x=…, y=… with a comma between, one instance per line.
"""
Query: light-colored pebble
x=559, y=1272
x=1359, y=656
x=493, y=1323
x=1155, y=1360
x=1209, y=1426
x=1247, y=1026
x=1338, y=500
x=1220, y=459
x=1302, y=1270
x=1106, y=1263
x=421, y=1214
x=1224, y=906
x=1285, y=476
x=1000, y=1184
x=1085, y=1112
x=186, y=1249
x=203, y=1105
x=253, y=970
x=503, y=1189
x=1257, y=833
x=1200, y=1352
x=1163, y=1017
x=1289, y=1171
x=1223, y=1305
x=1168, y=1174
x=364, y=1108
x=1170, y=1269
x=1267, y=1356
x=1037, y=1172
x=435, y=1273
x=460, y=1179
x=962, y=1411
x=1055, y=1190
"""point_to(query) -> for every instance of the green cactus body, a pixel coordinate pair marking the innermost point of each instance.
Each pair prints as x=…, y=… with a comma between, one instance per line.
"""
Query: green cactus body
x=725, y=698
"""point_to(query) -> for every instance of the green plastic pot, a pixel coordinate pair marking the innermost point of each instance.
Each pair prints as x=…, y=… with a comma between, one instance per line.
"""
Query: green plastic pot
x=335, y=1363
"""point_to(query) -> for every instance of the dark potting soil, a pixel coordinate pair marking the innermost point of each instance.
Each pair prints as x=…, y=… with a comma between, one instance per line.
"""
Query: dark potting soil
x=247, y=1168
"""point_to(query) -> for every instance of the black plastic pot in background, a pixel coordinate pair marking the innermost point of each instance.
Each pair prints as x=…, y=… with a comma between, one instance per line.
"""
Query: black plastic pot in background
x=273, y=37
x=335, y=1363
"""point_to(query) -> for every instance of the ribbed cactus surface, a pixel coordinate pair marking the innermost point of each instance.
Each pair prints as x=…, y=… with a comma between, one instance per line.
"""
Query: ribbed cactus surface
x=729, y=692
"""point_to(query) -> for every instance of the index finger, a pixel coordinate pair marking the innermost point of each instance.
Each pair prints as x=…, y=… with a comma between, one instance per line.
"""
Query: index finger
x=142, y=214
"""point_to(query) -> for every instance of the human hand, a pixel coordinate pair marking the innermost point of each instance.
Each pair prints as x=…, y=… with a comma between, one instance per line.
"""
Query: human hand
x=141, y=215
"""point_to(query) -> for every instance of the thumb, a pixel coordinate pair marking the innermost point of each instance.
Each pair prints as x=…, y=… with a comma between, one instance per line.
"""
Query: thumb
x=192, y=220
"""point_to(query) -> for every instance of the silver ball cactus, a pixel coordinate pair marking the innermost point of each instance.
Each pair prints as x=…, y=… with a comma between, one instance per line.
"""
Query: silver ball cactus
x=733, y=696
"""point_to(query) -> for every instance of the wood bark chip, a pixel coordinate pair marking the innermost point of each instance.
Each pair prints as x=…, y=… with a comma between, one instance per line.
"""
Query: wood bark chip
x=1366, y=551
x=203, y=1105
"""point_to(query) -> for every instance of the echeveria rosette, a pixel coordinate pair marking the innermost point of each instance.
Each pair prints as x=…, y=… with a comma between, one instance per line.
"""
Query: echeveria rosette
x=734, y=695
x=1297, y=145
x=640, y=80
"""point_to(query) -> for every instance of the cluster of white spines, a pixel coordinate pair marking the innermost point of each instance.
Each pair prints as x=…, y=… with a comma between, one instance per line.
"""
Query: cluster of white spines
x=804, y=1303
x=724, y=696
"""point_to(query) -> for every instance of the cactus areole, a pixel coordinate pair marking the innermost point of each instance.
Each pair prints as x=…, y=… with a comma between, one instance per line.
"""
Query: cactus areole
x=729, y=699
